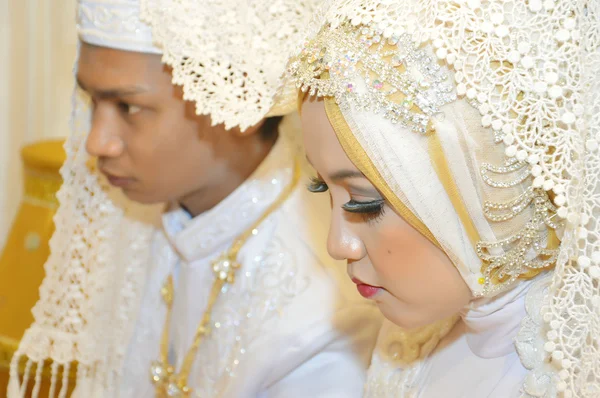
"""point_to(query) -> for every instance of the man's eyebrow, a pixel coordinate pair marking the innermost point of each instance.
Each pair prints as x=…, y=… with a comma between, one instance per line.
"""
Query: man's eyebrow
x=113, y=92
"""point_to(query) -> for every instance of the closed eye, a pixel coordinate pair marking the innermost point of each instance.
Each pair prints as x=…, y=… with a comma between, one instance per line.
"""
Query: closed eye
x=127, y=108
x=370, y=212
x=317, y=185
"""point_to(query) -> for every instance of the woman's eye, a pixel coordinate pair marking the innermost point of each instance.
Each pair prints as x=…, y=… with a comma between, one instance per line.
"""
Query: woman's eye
x=370, y=211
x=316, y=185
x=128, y=108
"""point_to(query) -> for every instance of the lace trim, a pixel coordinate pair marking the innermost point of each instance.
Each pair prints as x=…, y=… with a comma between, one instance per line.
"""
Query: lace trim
x=229, y=56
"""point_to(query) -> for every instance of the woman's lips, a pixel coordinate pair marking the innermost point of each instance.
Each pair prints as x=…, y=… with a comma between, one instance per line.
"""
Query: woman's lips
x=367, y=291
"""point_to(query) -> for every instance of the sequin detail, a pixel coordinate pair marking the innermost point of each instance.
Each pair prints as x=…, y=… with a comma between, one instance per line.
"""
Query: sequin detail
x=361, y=68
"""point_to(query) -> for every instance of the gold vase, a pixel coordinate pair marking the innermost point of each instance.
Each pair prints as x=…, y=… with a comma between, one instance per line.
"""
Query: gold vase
x=26, y=250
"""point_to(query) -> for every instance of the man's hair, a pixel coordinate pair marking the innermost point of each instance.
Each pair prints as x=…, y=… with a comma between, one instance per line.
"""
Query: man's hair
x=270, y=128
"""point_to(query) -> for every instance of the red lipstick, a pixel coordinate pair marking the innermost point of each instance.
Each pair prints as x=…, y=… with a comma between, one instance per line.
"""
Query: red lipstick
x=367, y=291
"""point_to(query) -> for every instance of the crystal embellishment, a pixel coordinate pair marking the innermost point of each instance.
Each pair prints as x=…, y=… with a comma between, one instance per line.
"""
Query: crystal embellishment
x=158, y=372
x=526, y=252
x=225, y=268
x=360, y=67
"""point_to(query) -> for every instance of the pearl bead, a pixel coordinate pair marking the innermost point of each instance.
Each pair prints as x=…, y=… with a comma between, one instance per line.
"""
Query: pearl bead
x=583, y=261
x=527, y=62
x=535, y=5
x=594, y=272
x=568, y=118
x=591, y=145
x=557, y=355
x=562, y=212
x=524, y=47
x=558, y=189
x=534, y=159
x=473, y=4
x=551, y=77
x=569, y=23
x=562, y=35
x=549, y=346
x=441, y=53
x=502, y=31
x=511, y=151
x=548, y=185
x=497, y=18
x=540, y=87
x=486, y=121
x=514, y=57
x=555, y=91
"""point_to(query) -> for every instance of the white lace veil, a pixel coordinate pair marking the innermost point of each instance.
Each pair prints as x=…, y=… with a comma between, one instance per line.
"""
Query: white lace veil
x=479, y=121
x=95, y=273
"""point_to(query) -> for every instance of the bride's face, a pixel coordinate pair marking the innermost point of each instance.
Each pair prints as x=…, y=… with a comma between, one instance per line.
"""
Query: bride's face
x=413, y=282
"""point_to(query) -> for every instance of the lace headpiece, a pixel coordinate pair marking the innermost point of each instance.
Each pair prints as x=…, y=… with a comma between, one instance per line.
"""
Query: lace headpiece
x=521, y=172
x=230, y=56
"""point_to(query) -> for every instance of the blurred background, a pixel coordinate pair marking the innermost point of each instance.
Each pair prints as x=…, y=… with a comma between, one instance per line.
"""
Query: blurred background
x=37, y=51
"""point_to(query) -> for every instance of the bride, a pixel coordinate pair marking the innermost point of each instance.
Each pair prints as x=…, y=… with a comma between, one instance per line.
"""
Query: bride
x=461, y=157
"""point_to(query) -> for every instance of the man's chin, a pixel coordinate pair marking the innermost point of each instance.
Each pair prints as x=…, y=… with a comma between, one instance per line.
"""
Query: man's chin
x=142, y=198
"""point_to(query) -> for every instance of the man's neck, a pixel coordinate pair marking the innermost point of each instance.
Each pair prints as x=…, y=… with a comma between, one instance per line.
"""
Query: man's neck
x=208, y=197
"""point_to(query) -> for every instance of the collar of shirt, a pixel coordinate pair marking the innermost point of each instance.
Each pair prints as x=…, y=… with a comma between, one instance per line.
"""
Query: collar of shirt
x=212, y=231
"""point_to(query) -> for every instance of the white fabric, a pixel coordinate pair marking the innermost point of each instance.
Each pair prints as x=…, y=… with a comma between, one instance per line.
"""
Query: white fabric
x=291, y=325
x=114, y=24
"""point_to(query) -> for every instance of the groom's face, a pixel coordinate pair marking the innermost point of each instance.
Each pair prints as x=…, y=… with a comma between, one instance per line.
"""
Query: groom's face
x=149, y=141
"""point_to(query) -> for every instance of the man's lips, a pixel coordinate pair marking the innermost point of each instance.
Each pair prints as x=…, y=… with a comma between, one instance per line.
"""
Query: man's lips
x=117, y=181
x=365, y=290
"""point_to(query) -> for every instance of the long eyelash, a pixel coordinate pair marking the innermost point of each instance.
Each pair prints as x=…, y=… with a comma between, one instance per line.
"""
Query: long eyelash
x=369, y=211
x=317, y=186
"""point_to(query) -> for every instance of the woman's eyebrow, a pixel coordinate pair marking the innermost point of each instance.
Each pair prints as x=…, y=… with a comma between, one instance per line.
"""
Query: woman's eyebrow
x=345, y=174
